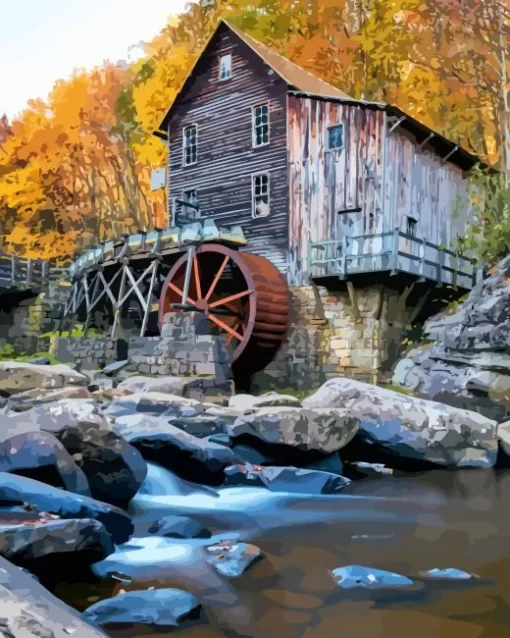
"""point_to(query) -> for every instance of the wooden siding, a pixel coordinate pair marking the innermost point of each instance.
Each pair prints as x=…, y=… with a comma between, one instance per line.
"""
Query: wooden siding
x=325, y=184
x=222, y=110
x=418, y=184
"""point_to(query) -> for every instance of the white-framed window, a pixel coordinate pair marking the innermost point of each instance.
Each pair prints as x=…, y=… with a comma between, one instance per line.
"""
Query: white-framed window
x=260, y=125
x=335, y=139
x=225, y=70
x=412, y=226
x=260, y=194
x=190, y=145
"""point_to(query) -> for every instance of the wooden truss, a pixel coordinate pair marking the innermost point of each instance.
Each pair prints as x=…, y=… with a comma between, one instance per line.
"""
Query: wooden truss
x=91, y=288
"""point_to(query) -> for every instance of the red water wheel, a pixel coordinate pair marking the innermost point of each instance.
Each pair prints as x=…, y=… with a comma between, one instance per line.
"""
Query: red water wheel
x=244, y=297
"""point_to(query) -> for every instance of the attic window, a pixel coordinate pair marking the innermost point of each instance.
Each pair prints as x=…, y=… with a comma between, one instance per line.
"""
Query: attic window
x=335, y=139
x=189, y=145
x=260, y=133
x=225, y=67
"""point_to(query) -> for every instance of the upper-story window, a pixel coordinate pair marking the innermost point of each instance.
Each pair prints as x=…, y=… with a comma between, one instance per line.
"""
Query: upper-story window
x=189, y=145
x=260, y=194
x=225, y=72
x=260, y=132
x=335, y=140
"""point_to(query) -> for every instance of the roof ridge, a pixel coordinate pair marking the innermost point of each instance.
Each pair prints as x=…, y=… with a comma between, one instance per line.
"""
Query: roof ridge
x=242, y=34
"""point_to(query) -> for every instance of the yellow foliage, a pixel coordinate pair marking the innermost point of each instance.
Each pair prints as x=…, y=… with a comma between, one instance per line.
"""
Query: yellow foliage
x=77, y=169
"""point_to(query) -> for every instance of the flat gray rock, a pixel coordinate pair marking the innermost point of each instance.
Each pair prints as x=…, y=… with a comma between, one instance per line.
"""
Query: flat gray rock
x=153, y=608
x=323, y=429
x=17, y=376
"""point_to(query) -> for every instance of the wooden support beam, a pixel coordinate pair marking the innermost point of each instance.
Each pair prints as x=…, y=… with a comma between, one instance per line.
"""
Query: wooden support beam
x=397, y=124
x=427, y=139
x=402, y=300
x=419, y=306
x=155, y=266
x=116, y=318
x=353, y=298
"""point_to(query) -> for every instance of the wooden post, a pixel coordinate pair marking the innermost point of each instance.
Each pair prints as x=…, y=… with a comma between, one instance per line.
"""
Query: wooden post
x=394, y=256
x=155, y=265
x=118, y=303
x=440, y=258
x=13, y=269
x=91, y=305
x=343, y=259
x=29, y=270
x=187, y=276
x=423, y=259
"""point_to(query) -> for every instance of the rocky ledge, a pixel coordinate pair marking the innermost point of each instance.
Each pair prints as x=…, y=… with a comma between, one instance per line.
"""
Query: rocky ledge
x=465, y=358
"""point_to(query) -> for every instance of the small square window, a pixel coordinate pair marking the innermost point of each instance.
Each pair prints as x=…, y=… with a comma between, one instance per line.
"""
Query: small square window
x=412, y=226
x=189, y=145
x=225, y=67
x=260, y=195
x=335, y=137
x=260, y=115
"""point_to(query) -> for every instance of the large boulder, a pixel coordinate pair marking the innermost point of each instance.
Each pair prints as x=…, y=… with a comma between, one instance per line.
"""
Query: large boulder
x=18, y=490
x=52, y=417
x=28, y=610
x=39, y=455
x=49, y=544
x=189, y=457
x=152, y=403
x=114, y=468
x=410, y=427
x=465, y=360
x=152, y=609
x=291, y=480
x=17, y=376
x=320, y=429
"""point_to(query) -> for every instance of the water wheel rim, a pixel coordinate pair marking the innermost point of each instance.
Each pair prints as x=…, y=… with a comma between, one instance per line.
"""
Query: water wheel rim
x=228, y=254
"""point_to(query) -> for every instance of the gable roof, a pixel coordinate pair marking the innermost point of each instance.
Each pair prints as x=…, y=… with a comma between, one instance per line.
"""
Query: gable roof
x=301, y=82
x=293, y=75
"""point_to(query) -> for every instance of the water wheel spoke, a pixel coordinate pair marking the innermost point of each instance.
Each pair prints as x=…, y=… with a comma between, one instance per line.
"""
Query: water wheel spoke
x=226, y=300
x=217, y=277
x=198, y=286
x=180, y=292
x=221, y=324
x=231, y=337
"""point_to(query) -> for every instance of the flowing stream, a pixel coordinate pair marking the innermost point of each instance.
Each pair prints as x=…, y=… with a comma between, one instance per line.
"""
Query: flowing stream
x=406, y=525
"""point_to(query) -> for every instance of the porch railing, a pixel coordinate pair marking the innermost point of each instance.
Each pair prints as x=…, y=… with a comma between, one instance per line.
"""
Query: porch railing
x=394, y=252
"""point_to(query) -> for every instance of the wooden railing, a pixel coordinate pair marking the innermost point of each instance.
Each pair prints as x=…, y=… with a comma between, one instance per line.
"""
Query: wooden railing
x=20, y=272
x=393, y=252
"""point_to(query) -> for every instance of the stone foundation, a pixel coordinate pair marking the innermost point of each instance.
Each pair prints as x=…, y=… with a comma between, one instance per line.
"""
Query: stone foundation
x=329, y=336
x=179, y=351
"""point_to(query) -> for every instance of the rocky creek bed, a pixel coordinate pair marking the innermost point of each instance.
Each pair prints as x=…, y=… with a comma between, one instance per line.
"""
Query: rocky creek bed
x=129, y=510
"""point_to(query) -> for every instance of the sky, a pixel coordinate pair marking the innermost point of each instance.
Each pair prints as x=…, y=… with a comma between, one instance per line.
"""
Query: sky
x=45, y=40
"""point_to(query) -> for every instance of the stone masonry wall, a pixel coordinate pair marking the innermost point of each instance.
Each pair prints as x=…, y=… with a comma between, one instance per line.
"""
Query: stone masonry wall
x=327, y=339
x=89, y=353
x=178, y=351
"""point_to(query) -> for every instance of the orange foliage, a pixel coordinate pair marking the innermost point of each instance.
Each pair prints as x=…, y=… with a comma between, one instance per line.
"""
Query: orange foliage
x=76, y=169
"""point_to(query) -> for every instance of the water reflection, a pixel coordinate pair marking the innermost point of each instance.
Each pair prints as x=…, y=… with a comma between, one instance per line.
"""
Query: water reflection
x=403, y=524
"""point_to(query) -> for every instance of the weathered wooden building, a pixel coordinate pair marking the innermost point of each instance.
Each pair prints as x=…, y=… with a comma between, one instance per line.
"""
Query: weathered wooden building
x=358, y=204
